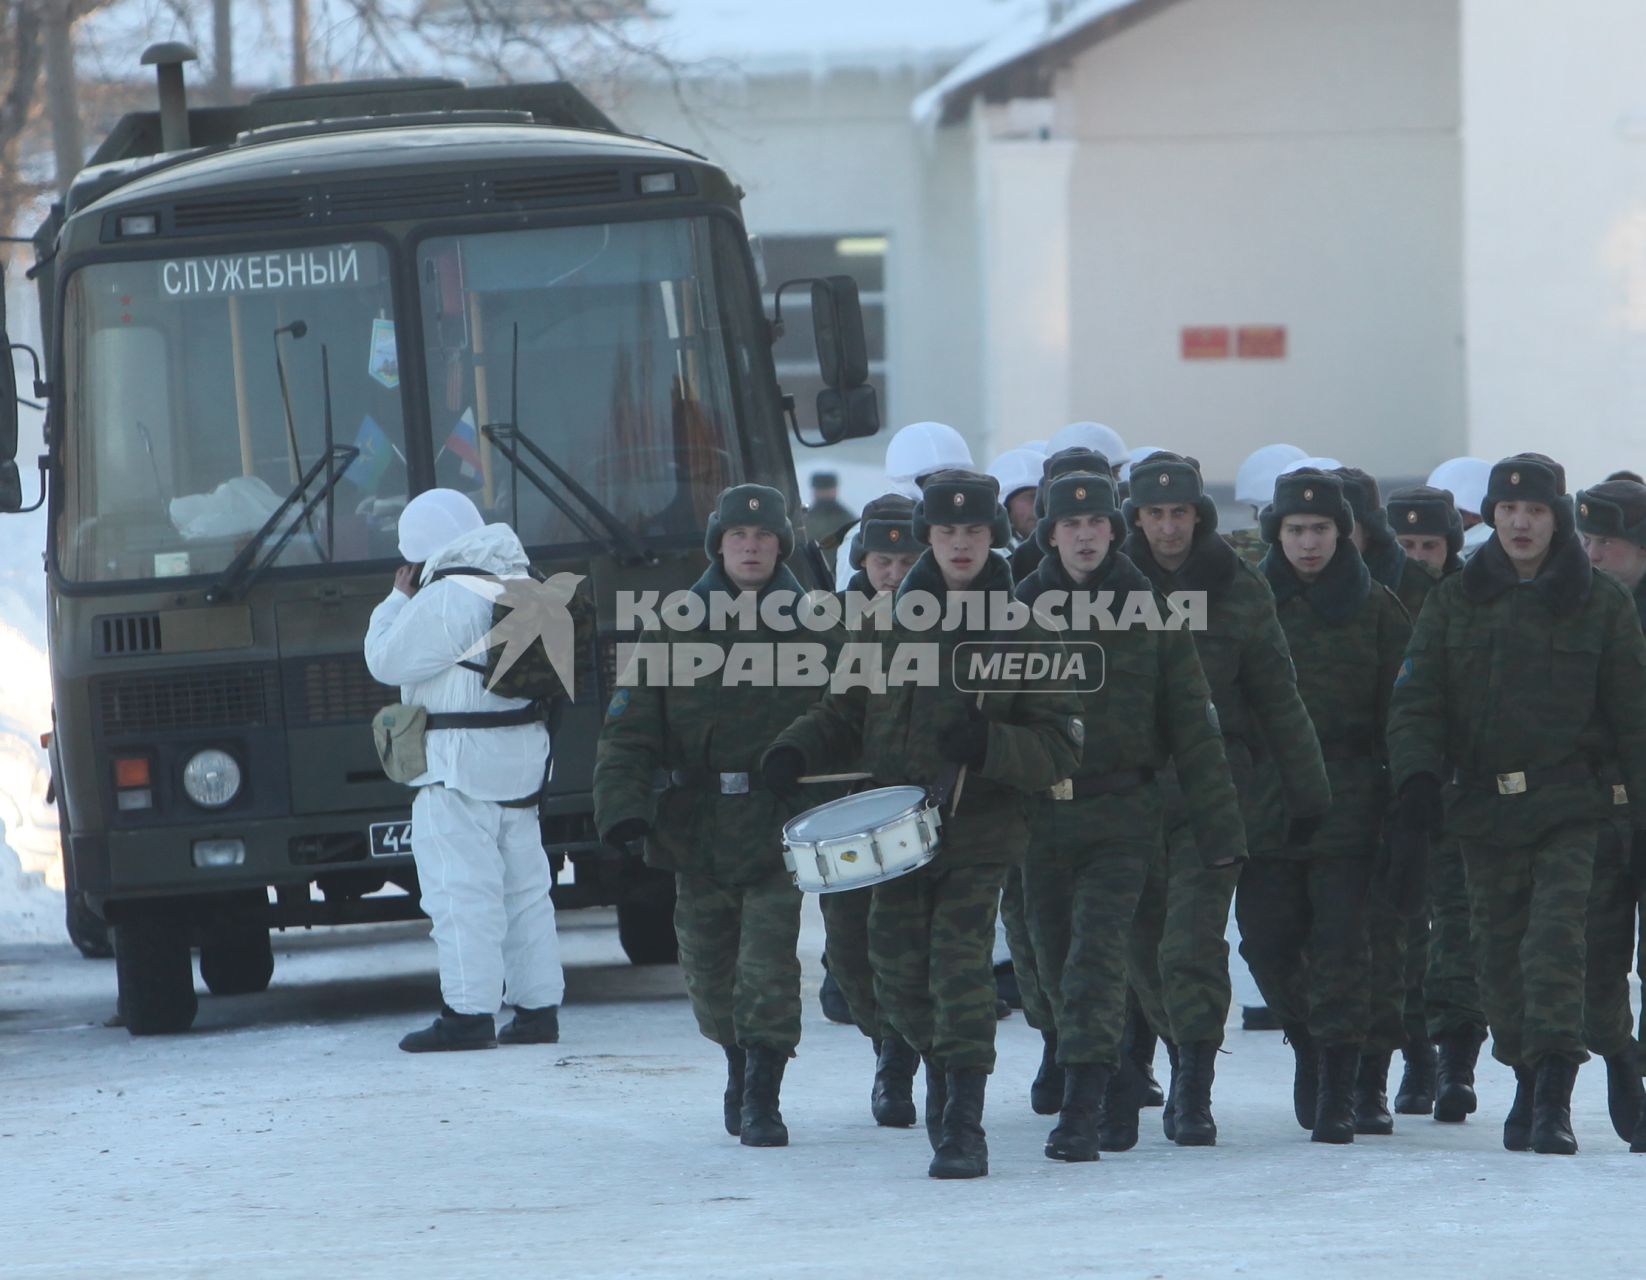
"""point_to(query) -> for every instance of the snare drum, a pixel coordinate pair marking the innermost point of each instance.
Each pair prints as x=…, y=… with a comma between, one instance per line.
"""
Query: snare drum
x=861, y=840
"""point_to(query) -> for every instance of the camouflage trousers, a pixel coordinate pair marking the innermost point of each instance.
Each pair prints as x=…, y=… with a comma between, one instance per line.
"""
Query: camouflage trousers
x=1037, y=1007
x=1528, y=909
x=1451, y=989
x=1303, y=935
x=739, y=952
x=1084, y=874
x=1179, y=952
x=1615, y=902
x=846, y=947
x=1397, y=946
x=931, y=941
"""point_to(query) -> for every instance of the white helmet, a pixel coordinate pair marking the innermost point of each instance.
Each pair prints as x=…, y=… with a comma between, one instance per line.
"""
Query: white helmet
x=1139, y=454
x=1016, y=469
x=435, y=519
x=1039, y=446
x=1310, y=464
x=924, y=447
x=1255, y=481
x=1090, y=435
x=1466, y=478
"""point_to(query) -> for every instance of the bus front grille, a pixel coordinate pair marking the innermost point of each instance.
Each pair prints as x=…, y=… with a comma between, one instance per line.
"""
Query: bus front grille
x=334, y=690
x=205, y=698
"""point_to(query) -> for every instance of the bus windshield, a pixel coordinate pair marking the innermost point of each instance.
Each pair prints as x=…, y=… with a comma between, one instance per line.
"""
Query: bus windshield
x=181, y=440
x=621, y=350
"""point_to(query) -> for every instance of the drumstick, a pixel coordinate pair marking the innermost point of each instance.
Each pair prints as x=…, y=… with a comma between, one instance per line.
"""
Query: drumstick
x=834, y=777
x=960, y=778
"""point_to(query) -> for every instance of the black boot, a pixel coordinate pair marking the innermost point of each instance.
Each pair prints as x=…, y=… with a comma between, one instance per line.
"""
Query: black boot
x=833, y=1000
x=962, y=1151
x=1517, y=1125
x=762, y=1083
x=1140, y=1042
x=892, y=1100
x=1122, y=1100
x=1305, y=1076
x=532, y=1026
x=736, y=1064
x=937, y=1099
x=1624, y=1094
x=1075, y=1137
x=1335, y=1105
x=1168, y=1114
x=1046, y=1093
x=452, y=1031
x=1193, y=1068
x=1372, y=1096
x=1455, y=1075
x=1638, y=1146
x=1552, y=1107
x=1416, y=1095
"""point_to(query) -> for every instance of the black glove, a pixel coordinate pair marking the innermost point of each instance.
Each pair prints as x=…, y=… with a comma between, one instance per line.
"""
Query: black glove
x=968, y=742
x=1299, y=831
x=780, y=770
x=1419, y=807
x=626, y=832
x=1403, y=869
x=1637, y=857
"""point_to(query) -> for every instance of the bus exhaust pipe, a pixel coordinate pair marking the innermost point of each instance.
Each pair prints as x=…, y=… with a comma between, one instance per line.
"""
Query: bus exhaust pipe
x=167, y=59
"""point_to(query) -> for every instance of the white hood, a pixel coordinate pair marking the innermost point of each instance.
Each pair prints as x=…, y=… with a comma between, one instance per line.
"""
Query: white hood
x=496, y=549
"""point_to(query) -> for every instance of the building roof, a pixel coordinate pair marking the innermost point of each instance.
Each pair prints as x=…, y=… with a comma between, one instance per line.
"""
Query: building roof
x=1019, y=60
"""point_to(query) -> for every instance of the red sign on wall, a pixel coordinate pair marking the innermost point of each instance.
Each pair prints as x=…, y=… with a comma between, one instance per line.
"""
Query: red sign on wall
x=1206, y=342
x=1261, y=342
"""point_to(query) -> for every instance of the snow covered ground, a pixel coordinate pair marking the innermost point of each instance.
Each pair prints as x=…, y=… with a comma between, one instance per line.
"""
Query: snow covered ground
x=288, y=1137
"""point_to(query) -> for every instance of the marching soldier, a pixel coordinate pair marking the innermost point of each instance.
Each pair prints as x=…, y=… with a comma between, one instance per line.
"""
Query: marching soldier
x=1301, y=908
x=883, y=550
x=1254, y=487
x=931, y=932
x=1430, y=528
x=737, y=912
x=1399, y=946
x=827, y=518
x=1098, y=836
x=1611, y=517
x=1179, y=957
x=1526, y=671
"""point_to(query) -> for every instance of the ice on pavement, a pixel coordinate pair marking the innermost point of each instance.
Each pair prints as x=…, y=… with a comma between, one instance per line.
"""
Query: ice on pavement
x=287, y=1137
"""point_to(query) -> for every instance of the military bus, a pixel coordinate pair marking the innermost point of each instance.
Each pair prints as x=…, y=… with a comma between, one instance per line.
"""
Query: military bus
x=266, y=327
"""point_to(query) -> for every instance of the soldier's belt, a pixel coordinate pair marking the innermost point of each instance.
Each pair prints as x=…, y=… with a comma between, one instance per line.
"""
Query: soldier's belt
x=1103, y=784
x=1522, y=780
x=726, y=784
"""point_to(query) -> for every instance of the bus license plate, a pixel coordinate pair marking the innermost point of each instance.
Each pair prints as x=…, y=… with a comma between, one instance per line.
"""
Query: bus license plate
x=390, y=839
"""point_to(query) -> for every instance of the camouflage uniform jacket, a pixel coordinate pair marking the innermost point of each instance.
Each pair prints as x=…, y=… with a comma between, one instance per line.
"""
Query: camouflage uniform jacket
x=693, y=733
x=1248, y=666
x=1153, y=708
x=1248, y=544
x=1407, y=578
x=1504, y=677
x=1034, y=731
x=1347, y=635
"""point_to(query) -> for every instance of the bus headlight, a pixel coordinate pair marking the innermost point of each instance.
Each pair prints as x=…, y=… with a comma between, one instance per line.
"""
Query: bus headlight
x=211, y=778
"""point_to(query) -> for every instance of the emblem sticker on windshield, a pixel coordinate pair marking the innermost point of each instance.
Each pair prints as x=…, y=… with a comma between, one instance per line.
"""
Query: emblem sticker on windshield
x=383, y=362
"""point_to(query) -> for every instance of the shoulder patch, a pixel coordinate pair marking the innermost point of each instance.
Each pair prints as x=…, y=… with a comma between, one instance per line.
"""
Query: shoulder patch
x=1404, y=674
x=618, y=705
x=1077, y=730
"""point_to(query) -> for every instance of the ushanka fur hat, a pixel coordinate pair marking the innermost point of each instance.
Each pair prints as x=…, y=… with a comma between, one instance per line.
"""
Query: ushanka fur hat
x=1079, y=493
x=1163, y=479
x=1306, y=493
x=961, y=497
x=1529, y=477
x=1427, y=513
x=750, y=504
x=887, y=526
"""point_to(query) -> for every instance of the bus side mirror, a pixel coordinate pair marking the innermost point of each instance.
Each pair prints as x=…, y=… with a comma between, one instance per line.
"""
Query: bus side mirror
x=11, y=487
x=847, y=408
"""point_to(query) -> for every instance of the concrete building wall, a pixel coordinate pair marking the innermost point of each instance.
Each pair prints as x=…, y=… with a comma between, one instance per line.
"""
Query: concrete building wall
x=1270, y=162
x=1554, y=112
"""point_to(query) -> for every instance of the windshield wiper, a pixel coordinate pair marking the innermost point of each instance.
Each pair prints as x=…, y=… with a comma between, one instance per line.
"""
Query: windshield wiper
x=622, y=541
x=240, y=574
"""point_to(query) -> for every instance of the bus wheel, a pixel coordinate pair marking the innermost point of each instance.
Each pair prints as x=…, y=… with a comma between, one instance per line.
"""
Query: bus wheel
x=236, y=959
x=645, y=921
x=156, y=976
x=86, y=928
